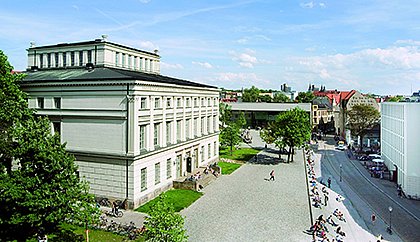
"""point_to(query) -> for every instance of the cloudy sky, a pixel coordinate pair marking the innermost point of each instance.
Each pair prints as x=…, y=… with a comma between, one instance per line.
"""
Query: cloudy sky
x=368, y=45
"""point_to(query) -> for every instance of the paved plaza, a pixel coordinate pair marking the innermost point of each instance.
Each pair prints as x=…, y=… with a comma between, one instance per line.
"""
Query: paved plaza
x=244, y=206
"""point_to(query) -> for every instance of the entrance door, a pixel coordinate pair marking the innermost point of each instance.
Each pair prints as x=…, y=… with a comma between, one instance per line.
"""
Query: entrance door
x=178, y=166
x=189, y=162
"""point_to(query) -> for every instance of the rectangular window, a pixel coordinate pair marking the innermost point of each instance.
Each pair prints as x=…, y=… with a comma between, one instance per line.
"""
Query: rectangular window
x=214, y=123
x=80, y=58
x=168, y=133
x=202, y=125
x=156, y=134
x=56, y=59
x=178, y=130
x=168, y=168
x=40, y=102
x=143, y=179
x=147, y=64
x=195, y=127
x=123, y=60
x=157, y=173
x=41, y=60
x=72, y=58
x=178, y=102
x=57, y=102
x=117, y=59
x=195, y=102
x=202, y=102
x=187, y=129
x=135, y=63
x=64, y=59
x=209, y=151
x=57, y=127
x=169, y=102
x=157, y=102
x=209, y=102
x=129, y=61
x=141, y=63
x=49, y=60
x=142, y=144
x=215, y=148
x=89, y=56
x=143, y=103
x=188, y=104
x=208, y=125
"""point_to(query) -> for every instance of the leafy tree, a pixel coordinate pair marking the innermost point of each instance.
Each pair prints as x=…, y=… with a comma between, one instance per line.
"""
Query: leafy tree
x=225, y=113
x=395, y=99
x=265, y=99
x=164, y=224
x=291, y=128
x=43, y=189
x=361, y=118
x=230, y=136
x=305, y=97
x=241, y=121
x=280, y=98
x=251, y=95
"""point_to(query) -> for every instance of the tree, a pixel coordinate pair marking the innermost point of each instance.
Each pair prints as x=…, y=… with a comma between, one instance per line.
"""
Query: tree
x=361, y=118
x=230, y=136
x=225, y=113
x=251, y=95
x=265, y=99
x=305, y=97
x=395, y=99
x=43, y=189
x=280, y=98
x=241, y=121
x=164, y=224
x=291, y=128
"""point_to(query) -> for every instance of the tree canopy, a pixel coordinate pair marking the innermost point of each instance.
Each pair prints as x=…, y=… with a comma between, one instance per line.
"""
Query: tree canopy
x=361, y=118
x=305, y=97
x=164, y=224
x=280, y=98
x=251, y=95
x=42, y=190
x=395, y=99
x=291, y=128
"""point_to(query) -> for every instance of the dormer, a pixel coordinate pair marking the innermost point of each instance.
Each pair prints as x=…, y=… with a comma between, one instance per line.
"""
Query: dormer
x=96, y=53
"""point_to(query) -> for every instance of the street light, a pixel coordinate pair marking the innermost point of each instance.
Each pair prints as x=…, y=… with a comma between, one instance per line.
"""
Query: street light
x=390, y=212
x=341, y=171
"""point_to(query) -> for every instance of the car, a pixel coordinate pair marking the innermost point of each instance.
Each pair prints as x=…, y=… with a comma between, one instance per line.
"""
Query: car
x=341, y=147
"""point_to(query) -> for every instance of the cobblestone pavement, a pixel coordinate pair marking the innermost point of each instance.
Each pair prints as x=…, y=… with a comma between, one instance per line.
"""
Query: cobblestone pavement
x=244, y=206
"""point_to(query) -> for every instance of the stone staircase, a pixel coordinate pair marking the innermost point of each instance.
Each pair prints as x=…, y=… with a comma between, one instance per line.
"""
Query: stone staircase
x=196, y=185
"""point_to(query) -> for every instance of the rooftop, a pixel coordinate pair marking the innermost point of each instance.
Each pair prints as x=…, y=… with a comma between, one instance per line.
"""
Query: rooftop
x=276, y=107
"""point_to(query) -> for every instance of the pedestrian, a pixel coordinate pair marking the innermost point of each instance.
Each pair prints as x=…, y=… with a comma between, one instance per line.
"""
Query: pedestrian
x=326, y=199
x=272, y=175
x=373, y=218
x=329, y=182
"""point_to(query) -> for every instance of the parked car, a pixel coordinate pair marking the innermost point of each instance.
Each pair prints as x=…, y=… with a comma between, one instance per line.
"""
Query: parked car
x=341, y=147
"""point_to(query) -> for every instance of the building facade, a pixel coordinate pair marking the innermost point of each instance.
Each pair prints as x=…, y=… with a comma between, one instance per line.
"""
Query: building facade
x=132, y=130
x=400, y=144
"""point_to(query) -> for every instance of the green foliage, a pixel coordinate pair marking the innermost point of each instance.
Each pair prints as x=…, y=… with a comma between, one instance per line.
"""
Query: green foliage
x=177, y=198
x=227, y=167
x=280, y=98
x=241, y=121
x=395, y=99
x=305, y=97
x=265, y=99
x=225, y=113
x=230, y=136
x=242, y=154
x=164, y=224
x=362, y=118
x=291, y=128
x=43, y=190
x=251, y=95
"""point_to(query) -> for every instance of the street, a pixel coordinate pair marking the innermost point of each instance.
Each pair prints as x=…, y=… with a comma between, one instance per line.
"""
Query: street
x=378, y=198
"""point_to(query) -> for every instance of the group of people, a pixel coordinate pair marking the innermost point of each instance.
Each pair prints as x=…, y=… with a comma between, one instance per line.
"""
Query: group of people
x=320, y=197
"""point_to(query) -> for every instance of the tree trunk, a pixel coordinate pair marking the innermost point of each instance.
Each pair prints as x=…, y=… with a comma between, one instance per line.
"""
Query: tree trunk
x=289, y=153
x=293, y=153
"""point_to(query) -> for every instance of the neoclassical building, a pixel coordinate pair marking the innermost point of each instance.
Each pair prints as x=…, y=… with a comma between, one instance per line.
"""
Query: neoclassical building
x=131, y=129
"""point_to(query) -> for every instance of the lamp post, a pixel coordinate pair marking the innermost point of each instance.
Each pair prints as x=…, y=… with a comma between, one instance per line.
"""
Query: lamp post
x=341, y=171
x=390, y=224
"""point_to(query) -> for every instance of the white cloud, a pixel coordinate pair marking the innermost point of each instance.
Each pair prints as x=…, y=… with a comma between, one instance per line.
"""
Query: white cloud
x=203, y=64
x=148, y=45
x=322, y=5
x=307, y=5
x=164, y=65
x=407, y=42
x=245, y=59
x=237, y=77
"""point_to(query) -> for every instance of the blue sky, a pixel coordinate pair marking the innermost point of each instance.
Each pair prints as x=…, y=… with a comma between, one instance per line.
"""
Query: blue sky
x=368, y=45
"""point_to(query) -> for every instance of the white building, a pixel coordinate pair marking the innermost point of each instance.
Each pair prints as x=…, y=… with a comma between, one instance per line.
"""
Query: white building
x=400, y=143
x=130, y=128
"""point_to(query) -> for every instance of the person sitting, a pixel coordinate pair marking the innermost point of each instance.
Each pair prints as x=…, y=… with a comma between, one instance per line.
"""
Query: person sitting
x=324, y=190
x=339, y=198
x=331, y=221
x=339, y=215
x=340, y=232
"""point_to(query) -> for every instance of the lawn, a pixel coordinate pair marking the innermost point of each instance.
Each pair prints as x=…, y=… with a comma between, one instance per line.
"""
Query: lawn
x=227, y=167
x=242, y=154
x=179, y=199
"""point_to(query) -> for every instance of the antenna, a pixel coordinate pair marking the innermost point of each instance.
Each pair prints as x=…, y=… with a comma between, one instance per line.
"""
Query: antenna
x=104, y=37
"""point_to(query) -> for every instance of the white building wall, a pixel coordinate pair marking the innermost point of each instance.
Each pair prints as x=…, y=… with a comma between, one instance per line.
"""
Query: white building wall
x=400, y=143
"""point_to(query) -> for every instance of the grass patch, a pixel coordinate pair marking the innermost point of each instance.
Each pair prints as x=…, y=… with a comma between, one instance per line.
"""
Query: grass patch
x=179, y=199
x=242, y=154
x=228, y=168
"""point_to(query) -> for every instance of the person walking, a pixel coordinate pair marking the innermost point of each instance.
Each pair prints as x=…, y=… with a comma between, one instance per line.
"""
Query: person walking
x=272, y=175
x=326, y=199
x=329, y=182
